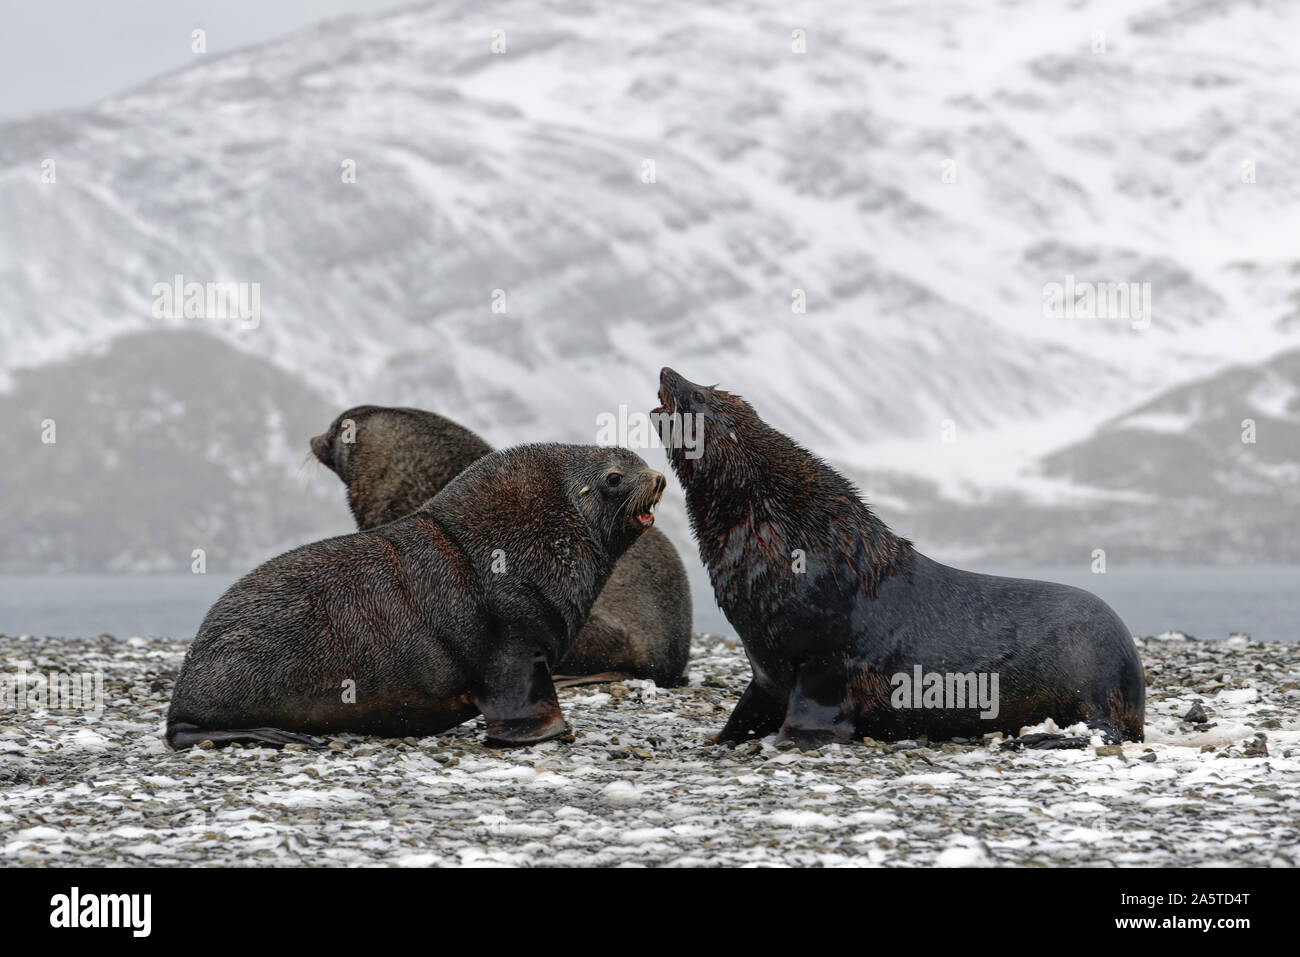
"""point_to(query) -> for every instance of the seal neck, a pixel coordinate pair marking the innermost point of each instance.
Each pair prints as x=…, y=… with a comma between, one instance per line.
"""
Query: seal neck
x=767, y=497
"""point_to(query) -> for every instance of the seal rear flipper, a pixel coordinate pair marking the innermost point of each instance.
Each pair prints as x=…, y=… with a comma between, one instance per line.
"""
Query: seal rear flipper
x=182, y=736
x=1111, y=734
x=519, y=704
x=571, y=681
x=757, y=714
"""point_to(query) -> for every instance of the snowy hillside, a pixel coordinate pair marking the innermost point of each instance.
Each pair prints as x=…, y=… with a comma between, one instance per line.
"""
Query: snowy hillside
x=918, y=175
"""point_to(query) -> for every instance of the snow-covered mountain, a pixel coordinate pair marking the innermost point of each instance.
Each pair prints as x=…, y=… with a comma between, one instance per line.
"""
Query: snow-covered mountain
x=918, y=176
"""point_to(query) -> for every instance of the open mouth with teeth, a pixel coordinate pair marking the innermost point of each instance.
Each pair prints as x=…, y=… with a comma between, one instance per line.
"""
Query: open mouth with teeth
x=665, y=403
x=642, y=507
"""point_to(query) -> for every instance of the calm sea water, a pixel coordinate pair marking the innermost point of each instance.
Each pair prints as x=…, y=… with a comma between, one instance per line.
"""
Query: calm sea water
x=1202, y=601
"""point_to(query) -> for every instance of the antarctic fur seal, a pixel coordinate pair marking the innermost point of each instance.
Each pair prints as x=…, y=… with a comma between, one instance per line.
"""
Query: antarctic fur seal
x=393, y=460
x=845, y=623
x=413, y=627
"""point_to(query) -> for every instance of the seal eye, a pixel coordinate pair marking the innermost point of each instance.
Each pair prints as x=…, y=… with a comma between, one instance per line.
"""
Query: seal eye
x=613, y=478
x=698, y=396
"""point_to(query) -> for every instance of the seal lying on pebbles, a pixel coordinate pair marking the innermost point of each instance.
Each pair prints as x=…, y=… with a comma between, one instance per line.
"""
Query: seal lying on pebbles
x=458, y=609
x=852, y=632
x=393, y=460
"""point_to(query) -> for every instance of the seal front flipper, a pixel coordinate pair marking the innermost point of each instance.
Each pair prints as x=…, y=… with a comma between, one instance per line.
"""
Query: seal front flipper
x=519, y=703
x=815, y=713
x=181, y=736
x=757, y=714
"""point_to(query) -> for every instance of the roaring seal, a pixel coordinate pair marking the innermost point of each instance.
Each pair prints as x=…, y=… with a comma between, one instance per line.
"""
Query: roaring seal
x=458, y=609
x=393, y=460
x=850, y=631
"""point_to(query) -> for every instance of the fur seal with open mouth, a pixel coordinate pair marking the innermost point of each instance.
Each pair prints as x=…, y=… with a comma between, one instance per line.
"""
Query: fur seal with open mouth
x=393, y=460
x=460, y=608
x=851, y=632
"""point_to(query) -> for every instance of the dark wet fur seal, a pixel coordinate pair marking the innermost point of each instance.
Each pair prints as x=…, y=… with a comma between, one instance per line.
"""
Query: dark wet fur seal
x=462, y=607
x=399, y=458
x=826, y=642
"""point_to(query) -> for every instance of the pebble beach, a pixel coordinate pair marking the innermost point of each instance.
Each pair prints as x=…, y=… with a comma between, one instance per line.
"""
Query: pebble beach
x=637, y=783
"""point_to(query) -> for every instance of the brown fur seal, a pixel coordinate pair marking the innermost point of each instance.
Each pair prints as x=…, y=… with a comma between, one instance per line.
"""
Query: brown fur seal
x=850, y=631
x=462, y=607
x=393, y=460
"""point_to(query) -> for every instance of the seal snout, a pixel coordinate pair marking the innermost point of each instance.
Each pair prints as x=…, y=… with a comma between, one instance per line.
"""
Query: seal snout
x=642, y=510
x=672, y=387
x=320, y=447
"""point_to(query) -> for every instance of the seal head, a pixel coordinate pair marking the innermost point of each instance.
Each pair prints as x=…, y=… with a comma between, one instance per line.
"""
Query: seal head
x=393, y=460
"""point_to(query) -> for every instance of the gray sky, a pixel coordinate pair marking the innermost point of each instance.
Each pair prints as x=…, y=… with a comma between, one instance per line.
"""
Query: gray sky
x=60, y=53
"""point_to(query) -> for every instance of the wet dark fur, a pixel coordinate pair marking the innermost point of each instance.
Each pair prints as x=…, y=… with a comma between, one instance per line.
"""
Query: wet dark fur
x=416, y=615
x=824, y=643
x=640, y=626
